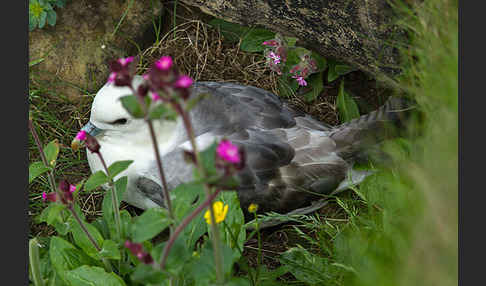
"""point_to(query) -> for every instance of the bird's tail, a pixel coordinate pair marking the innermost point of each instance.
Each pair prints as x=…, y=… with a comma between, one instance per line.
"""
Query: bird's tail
x=359, y=134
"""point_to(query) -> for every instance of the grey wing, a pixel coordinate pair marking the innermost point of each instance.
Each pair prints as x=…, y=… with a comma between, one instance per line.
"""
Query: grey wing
x=288, y=155
x=231, y=107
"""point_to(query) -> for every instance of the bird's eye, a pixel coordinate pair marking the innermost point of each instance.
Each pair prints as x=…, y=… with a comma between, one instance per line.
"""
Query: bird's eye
x=120, y=121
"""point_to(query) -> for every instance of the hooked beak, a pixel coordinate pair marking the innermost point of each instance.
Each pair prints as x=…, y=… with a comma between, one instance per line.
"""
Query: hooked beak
x=91, y=129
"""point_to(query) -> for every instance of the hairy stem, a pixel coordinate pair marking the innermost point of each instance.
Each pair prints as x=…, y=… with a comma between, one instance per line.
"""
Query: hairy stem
x=184, y=223
x=34, y=262
x=215, y=237
x=90, y=237
x=50, y=173
x=165, y=188
x=114, y=197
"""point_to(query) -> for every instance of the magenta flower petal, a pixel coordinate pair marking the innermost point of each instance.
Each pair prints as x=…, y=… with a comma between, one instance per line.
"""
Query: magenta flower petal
x=81, y=136
x=164, y=63
x=300, y=80
x=228, y=152
x=125, y=61
x=183, y=81
x=49, y=197
x=112, y=77
x=155, y=96
x=72, y=188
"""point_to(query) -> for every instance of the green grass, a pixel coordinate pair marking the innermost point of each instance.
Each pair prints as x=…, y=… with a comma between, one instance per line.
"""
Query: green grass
x=404, y=231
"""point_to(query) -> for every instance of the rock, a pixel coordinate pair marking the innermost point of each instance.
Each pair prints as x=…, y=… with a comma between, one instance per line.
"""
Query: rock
x=355, y=32
x=77, y=49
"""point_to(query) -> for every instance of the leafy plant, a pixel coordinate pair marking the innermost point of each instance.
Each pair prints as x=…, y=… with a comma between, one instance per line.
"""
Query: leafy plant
x=117, y=248
x=348, y=109
x=42, y=12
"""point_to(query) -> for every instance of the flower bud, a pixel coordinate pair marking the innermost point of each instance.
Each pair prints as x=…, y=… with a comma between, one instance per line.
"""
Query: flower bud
x=92, y=144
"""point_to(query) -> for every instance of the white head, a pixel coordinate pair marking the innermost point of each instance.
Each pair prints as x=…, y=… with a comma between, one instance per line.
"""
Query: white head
x=121, y=136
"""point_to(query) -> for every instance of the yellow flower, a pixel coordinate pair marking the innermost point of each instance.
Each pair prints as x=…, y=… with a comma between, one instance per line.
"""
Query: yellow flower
x=220, y=212
x=253, y=208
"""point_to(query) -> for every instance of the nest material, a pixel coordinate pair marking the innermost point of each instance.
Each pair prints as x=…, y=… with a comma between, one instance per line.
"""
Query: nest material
x=200, y=51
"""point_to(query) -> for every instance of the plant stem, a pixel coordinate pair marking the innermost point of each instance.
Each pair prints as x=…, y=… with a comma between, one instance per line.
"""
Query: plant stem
x=91, y=239
x=259, y=253
x=50, y=175
x=215, y=237
x=235, y=241
x=160, y=167
x=34, y=262
x=114, y=197
x=184, y=223
x=69, y=206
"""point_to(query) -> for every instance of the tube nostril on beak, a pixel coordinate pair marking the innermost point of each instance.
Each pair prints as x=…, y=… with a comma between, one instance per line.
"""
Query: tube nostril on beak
x=91, y=129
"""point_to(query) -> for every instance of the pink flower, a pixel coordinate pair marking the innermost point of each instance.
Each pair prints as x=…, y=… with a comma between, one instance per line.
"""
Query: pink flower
x=155, y=96
x=72, y=188
x=271, y=43
x=125, y=61
x=112, y=77
x=120, y=72
x=51, y=197
x=300, y=80
x=81, y=136
x=164, y=63
x=183, y=81
x=137, y=250
x=274, y=57
x=228, y=152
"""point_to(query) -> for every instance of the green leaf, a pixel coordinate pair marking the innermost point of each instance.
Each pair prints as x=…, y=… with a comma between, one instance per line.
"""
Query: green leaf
x=110, y=250
x=208, y=157
x=179, y=254
x=64, y=257
x=149, y=224
x=317, y=84
x=95, y=180
x=146, y=274
x=321, y=62
x=162, y=111
x=305, y=266
x=287, y=86
x=347, y=107
x=132, y=106
x=118, y=167
x=291, y=41
x=52, y=213
x=293, y=58
x=331, y=73
x=33, y=22
x=233, y=230
x=231, y=32
x=51, y=17
x=107, y=205
x=252, y=41
x=337, y=69
x=36, y=169
x=35, y=62
x=344, y=69
x=51, y=151
x=183, y=197
x=93, y=276
x=82, y=240
x=42, y=19
x=60, y=3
